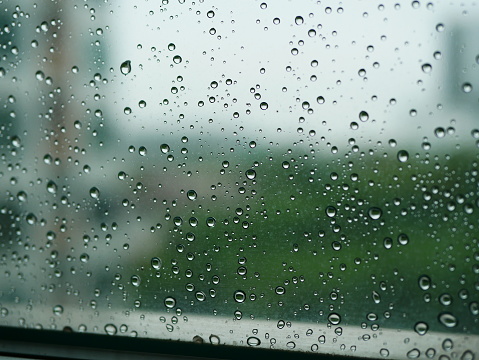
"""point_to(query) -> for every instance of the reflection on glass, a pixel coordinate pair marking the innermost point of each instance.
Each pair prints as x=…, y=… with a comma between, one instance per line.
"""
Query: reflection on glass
x=299, y=176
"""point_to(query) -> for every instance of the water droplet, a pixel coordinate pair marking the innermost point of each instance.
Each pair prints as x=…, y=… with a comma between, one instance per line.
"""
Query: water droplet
x=110, y=329
x=250, y=174
x=363, y=116
x=253, y=341
x=94, y=193
x=239, y=296
x=447, y=319
x=290, y=344
x=376, y=297
x=40, y=75
x=135, y=280
x=299, y=20
x=22, y=196
x=156, y=263
x=421, y=328
x=467, y=87
x=440, y=132
x=210, y=221
x=388, y=243
x=447, y=345
x=331, y=211
x=424, y=282
x=384, y=352
x=403, y=156
x=191, y=194
x=445, y=299
x=52, y=187
x=58, y=310
x=280, y=290
x=468, y=355
x=125, y=67
x=164, y=148
x=170, y=302
x=427, y=68
x=375, y=213
x=177, y=59
x=334, y=318
x=142, y=151
x=238, y=315
x=214, y=339
x=403, y=239
x=413, y=354
x=263, y=105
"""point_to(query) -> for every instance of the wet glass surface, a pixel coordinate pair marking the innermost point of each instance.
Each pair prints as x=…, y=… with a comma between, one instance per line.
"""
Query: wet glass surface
x=290, y=175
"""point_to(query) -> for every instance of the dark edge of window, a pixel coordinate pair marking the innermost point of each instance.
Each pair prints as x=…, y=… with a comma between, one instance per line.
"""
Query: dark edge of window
x=54, y=344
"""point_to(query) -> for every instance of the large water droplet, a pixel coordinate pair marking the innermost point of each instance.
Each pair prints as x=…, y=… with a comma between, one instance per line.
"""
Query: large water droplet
x=403, y=156
x=170, y=302
x=363, y=116
x=447, y=319
x=253, y=341
x=94, y=193
x=421, y=328
x=239, y=296
x=125, y=67
x=110, y=329
x=52, y=187
x=334, y=318
x=413, y=354
x=375, y=213
x=58, y=310
x=135, y=280
x=424, y=282
x=191, y=194
x=250, y=174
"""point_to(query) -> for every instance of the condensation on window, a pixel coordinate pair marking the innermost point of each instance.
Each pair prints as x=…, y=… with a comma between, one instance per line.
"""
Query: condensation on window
x=300, y=176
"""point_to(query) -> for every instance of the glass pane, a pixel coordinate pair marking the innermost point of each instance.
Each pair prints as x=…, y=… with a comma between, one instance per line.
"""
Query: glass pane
x=297, y=175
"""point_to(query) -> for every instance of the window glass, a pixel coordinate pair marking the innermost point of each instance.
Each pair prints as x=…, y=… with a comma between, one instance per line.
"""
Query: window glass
x=295, y=175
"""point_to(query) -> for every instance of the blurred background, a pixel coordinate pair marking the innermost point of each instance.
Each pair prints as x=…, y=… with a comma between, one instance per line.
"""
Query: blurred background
x=295, y=175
